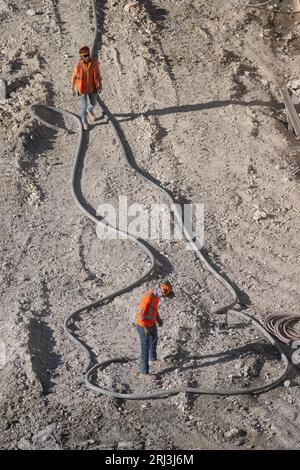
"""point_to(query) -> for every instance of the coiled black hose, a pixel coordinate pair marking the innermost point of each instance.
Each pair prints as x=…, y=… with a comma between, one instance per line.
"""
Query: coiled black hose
x=282, y=326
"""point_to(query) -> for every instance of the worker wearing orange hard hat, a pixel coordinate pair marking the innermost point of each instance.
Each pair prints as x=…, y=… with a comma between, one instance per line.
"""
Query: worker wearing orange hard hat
x=146, y=320
x=87, y=78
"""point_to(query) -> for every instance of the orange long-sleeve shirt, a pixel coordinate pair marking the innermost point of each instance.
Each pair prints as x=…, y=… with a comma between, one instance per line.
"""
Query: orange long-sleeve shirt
x=86, y=76
x=147, y=313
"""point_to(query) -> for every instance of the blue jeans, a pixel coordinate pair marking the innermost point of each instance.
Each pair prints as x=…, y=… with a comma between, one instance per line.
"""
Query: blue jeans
x=87, y=102
x=148, y=347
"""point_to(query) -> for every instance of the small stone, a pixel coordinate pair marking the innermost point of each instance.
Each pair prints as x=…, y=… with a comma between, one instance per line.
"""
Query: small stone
x=24, y=444
x=259, y=215
x=287, y=383
x=232, y=433
x=125, y=445
x=30, y=12
x=130, y=5
x=44, y=434
x=251, y=169
x=289, y=37
x=294, y=84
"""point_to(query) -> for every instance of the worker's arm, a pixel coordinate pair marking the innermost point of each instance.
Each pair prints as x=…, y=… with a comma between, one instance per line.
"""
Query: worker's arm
x=74, y=77
x=159, y=320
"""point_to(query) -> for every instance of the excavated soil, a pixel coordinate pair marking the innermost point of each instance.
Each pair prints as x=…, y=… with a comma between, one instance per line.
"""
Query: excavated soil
x=195, y=86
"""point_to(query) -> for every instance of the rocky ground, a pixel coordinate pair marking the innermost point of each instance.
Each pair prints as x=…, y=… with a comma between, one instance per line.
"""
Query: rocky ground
x=195, y=86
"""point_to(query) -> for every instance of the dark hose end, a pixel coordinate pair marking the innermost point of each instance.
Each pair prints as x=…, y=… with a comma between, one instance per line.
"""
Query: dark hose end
x=219, y=310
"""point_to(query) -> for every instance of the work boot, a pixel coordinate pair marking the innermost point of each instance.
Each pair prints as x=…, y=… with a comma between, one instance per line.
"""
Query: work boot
x=85, y=125
x=92, y=116
x=148, y=376
x=156, y=362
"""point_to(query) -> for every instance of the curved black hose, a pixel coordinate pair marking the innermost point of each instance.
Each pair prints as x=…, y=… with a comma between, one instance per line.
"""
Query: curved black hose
x=90, y=368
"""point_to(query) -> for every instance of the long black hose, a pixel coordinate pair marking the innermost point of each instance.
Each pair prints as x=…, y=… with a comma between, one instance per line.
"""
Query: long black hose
x=90, y=368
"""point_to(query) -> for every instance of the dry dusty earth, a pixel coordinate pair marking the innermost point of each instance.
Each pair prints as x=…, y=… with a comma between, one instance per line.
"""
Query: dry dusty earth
x=196, y=88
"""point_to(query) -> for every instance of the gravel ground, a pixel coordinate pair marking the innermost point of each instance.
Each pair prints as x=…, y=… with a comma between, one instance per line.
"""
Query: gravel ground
x=195, y=86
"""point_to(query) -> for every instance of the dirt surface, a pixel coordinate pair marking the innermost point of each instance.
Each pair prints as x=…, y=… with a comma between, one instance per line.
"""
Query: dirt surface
x=195, y=86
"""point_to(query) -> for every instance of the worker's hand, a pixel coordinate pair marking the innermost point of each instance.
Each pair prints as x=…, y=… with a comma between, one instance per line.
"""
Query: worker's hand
x=73, y=92
x=159, y=321
x=99, y=90
x=147, y=331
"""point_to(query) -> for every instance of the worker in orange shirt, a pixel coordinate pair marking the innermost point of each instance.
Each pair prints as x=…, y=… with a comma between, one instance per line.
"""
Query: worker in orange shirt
x=86, y=76
x=146, y=319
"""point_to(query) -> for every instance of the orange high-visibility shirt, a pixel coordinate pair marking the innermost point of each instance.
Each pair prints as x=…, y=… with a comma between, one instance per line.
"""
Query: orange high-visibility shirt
x=87, y=77
x=147, y=311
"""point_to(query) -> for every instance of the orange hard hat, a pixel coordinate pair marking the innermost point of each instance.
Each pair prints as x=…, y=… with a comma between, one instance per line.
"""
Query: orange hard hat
x=84, y=50
x=167, y=289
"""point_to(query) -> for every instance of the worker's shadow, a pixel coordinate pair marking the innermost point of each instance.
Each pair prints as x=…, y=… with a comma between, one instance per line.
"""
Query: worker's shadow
x=188, y=108
x=266, y=353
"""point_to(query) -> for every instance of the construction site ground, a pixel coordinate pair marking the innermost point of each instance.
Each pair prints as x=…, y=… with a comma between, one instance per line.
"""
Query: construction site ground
x=195, y=85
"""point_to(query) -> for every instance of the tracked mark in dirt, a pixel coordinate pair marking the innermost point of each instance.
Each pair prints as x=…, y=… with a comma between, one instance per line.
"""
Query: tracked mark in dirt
x=243, y=70
x=170, y=70
x=40, y=338
x=117, y=58
x=28, y=154
x=101, y=11
x=91, y=276
x=198, y=16
x=21, y=90
x=54, y=8
x=46, y=309
x=161, y=57
x=148, y=17
x=32, y=192
x=42, y=343
x=41, y=346
x=158, y=132
x=287, y=418
x=25, y=246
